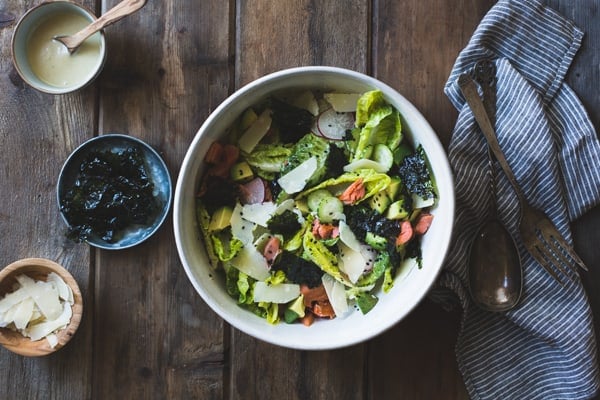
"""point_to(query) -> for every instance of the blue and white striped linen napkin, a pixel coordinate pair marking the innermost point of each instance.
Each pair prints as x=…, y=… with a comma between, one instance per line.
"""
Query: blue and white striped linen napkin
x=545, y=348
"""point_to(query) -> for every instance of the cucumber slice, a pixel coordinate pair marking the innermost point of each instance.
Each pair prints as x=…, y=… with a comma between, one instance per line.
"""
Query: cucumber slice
x=330, y=208
x=314, y=198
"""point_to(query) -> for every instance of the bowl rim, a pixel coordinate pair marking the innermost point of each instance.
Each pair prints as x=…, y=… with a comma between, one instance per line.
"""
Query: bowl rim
x=50, y=89
x=161, y=216
x=266, y=335
x=41, y=347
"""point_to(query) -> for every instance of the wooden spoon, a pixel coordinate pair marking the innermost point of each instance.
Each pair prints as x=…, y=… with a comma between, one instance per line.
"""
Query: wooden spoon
x=121, y=10
x=495, y=271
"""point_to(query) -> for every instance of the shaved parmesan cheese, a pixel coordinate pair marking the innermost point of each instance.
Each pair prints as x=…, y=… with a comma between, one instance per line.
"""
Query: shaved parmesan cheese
x=259, y=213
x=12, y=299
x=306, y=100
x=342, y=102
x=9, y=316
x=255, y=132
x=348, y=237
x=240, y=227
x=23, y=313
x=288, y=204
x=336, y=293
x=44, y=294
x=64, y=291
x=352, y=262
x=38, y=309
x=251, y=262
x=295, y=180
x=280, y=293
x=38, y=331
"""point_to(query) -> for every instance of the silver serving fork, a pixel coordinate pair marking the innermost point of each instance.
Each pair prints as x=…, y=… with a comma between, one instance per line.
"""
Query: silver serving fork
x=540, y=237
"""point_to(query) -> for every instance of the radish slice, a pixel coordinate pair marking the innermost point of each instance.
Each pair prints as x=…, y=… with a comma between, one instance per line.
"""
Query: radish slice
x=253, y=192
x=333, y=125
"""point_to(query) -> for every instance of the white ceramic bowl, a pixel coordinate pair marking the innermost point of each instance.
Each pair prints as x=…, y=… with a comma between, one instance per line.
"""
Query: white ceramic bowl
x=392, y=307
x=45, y=13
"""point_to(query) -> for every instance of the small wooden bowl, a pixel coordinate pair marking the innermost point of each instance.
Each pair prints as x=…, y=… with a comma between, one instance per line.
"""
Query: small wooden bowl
x=38, y=269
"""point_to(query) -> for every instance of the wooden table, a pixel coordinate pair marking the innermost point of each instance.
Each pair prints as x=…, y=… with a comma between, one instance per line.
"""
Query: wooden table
x=146, y=334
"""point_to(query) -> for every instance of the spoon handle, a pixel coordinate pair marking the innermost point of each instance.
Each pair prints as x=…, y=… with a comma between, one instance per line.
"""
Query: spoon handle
x=484, y=73
x=469, y=90
x=119, y=11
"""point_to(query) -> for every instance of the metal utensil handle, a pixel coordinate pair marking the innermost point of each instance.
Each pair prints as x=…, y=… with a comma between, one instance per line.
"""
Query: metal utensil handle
x=469, y=91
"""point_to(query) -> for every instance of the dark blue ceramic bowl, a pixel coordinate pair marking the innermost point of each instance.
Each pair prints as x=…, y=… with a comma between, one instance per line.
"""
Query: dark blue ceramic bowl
x=156, y=168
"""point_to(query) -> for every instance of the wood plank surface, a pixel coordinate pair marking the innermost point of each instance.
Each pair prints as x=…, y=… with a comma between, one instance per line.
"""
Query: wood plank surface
x=37, y=133
x=306, y=33
x=146, y=334
x=155, y=338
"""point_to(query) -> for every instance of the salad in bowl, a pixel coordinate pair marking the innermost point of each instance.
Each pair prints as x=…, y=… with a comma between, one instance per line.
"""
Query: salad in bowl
x=313, y=205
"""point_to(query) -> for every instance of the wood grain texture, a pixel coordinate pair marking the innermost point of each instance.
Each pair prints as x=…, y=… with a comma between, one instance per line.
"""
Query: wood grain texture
x=584, y=78
x=170, y=65
x=272, y=36
x=37, y=132
x=277, y=35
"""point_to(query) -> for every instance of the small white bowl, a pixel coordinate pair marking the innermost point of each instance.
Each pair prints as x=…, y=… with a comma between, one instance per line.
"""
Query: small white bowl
x=26, y=32
x=392, y=307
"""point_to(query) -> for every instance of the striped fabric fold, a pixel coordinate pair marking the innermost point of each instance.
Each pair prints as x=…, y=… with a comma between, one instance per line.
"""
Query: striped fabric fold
x=546, y=347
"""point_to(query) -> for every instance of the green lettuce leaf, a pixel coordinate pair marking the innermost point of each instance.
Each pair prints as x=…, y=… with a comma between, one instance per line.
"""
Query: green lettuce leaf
x=374, y=182
x=382, y=262
x=268, y=159
x=308, y=146
x=272, y=311
x=203, y=219
x=226, y=251
x=239, y=285
x=379, y=123
x=367, y=105
x=317, y=252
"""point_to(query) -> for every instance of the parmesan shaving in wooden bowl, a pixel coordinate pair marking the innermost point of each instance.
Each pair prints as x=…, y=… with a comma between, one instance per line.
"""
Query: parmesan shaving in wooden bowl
x=40, y=307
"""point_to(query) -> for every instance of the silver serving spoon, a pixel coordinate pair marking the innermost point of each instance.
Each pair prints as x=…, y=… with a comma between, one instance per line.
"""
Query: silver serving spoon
x=121, y=10
x=495, y=272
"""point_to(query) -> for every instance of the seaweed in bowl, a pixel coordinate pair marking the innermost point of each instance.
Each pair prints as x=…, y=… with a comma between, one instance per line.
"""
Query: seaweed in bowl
x=313, y=204
x=113, y=192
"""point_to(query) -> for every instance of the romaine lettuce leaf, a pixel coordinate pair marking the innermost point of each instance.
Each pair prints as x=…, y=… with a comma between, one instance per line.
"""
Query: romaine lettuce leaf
x=272, y=311
x=203, y=219
x=268, y=159
x=225, y=251
x=379, y=266
x=374, y=182
x=308, y=146
x=318, y=253
x=367, y=105
x=379, y=123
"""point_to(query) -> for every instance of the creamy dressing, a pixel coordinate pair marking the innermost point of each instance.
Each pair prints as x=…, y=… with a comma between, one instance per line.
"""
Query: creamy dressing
x=50, y=60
